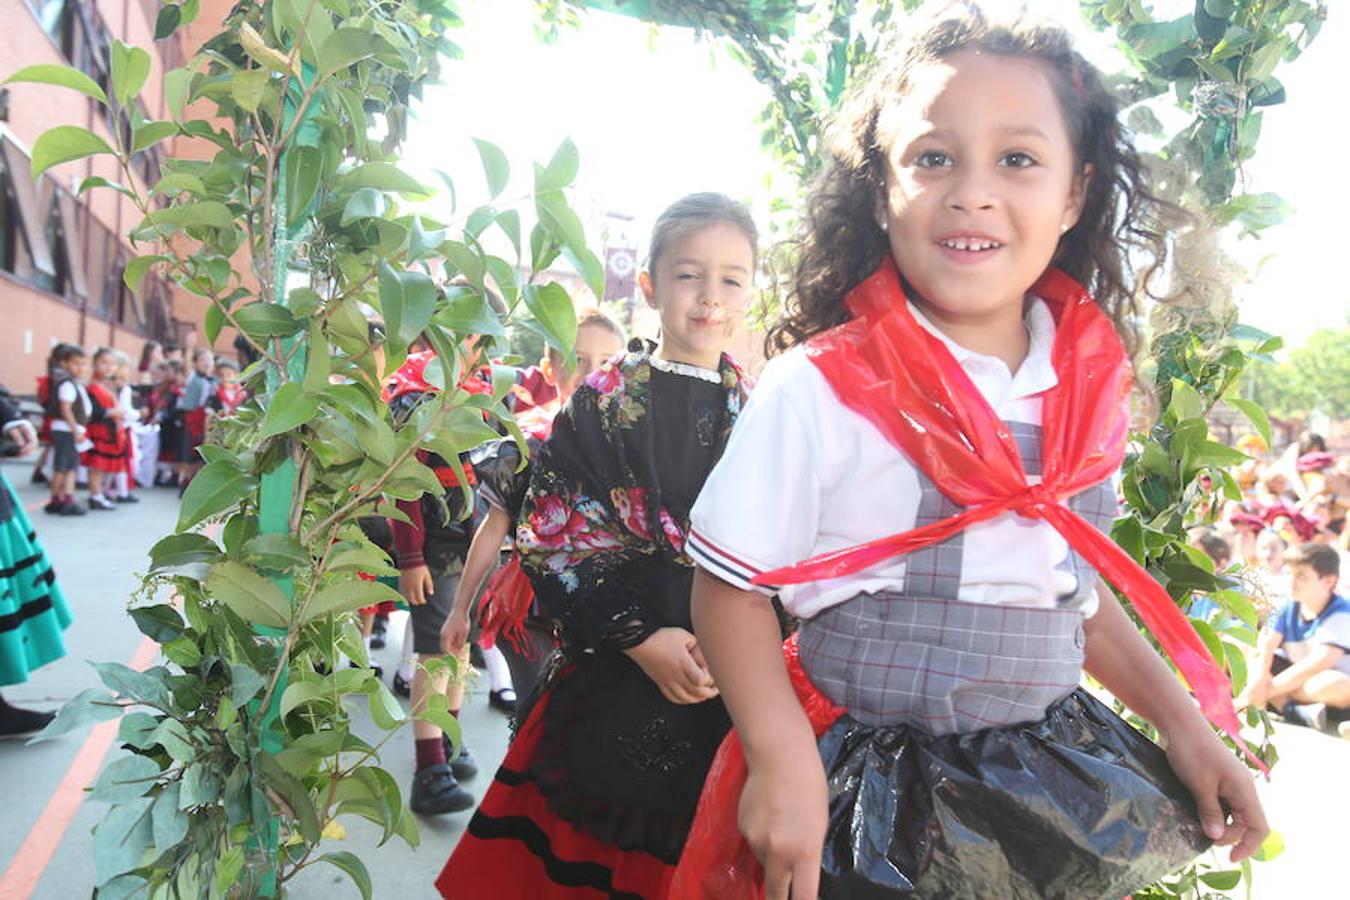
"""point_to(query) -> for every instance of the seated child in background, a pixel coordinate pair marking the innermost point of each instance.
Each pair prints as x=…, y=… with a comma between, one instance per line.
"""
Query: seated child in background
x=1303, y=667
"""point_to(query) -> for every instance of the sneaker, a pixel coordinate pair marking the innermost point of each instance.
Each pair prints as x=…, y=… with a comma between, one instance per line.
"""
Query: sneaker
x=127, y=498
x=17, y=723
x=402, y=686
x=98, y=501
x=1309, y=715
x=71, y=508
x=462, y=765
x=435, y=792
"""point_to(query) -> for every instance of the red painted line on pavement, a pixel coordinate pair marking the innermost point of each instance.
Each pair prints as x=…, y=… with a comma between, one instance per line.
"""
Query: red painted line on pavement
x=36, y=505
x=31, y=859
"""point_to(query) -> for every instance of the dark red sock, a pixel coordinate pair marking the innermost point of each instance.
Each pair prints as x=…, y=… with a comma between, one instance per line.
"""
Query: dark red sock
x=430, y=752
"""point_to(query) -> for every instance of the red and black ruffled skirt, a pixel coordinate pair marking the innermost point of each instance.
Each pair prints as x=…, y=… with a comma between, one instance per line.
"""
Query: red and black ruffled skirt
x=596, y=795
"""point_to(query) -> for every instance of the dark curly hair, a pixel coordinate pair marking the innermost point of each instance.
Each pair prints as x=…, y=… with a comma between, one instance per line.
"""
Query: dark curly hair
x=1118, y=244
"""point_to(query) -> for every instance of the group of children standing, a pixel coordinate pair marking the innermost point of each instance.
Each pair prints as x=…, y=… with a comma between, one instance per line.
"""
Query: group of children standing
x=915, y=492
x=126, y=428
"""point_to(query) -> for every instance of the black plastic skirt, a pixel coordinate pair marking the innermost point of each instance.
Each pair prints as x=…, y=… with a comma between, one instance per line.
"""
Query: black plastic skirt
x=1077, y=805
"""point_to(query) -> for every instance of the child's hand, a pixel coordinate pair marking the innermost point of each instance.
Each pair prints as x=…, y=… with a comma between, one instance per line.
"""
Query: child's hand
x=1217, y=780
x=670, y=658
x=455, y=633
x=784, y=815
x=416, y=585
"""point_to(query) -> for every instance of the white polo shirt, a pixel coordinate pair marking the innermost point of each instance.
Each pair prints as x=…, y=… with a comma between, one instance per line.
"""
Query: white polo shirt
x=804, y=475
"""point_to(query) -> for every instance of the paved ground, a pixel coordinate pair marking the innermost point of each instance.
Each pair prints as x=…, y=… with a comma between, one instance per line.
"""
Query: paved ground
x=96, y=558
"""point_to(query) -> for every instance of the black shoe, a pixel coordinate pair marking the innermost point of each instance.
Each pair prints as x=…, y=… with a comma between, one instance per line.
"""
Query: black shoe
x=373, y=666
x=377, y=640
x=38, y=477
x=127, y=498
x=402, y=686
x=462, y=764
x=71, y=508
x=476, y=657
x=17, y=723
x=101, y=503
x=503, y=699
x=54, y=507
x=435, y=792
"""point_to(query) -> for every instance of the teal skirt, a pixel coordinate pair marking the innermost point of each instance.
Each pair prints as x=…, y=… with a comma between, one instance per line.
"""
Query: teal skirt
x=33, y=613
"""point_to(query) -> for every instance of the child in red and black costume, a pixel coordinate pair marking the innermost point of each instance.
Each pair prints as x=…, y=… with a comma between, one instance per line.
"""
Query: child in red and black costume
x=195, y=405
x=229, y=394
x=429, y=551
x=109, y=448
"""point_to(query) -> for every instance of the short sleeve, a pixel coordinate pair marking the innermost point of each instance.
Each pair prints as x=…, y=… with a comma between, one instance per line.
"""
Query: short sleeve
x=1334, y=630
x=67, y=393
x=760, y=507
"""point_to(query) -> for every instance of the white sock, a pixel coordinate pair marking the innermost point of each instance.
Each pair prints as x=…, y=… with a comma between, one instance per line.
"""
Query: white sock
x=407, y=663
x=499, y=673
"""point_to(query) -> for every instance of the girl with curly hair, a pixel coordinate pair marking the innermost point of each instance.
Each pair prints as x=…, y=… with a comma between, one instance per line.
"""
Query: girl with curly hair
x=936, y=441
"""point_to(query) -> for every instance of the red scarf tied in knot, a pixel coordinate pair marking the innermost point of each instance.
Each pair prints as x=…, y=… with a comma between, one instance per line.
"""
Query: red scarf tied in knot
x=889, y=369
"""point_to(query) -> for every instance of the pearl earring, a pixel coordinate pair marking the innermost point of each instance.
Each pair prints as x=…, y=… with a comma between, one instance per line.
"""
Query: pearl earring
x=1063, y=227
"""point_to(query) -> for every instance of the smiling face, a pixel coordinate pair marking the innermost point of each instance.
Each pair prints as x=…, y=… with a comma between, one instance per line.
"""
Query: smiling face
x=981, y=182
x=701, y=286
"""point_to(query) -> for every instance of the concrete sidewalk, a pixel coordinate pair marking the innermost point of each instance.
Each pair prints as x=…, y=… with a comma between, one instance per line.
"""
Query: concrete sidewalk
x=96, y=558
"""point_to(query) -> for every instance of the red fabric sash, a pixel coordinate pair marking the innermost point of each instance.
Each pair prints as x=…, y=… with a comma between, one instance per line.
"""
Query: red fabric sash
x=889, y=369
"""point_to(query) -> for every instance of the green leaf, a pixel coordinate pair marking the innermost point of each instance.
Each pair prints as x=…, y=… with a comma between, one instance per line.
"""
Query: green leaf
x=147, y=686
x=288, y=409
x=364, y=203
x=137, y=729
x=247, y=87
x=495, y=165
x=130, y=69
x=160, y=622
x=245, y=684
x=304, y=172
x=346, y=47
x=276, y=551
x=88, y=707
x=228, y=867
x=177, y=86
x=151, y=133
x=407, y=300
x=63, y=144
x=172, y=735
x=298, y=694
x=97, y=181
x=561, y=170
x=293, y=794
x=385, y=710
x=121, y=839
x=169, y=824
x=266, y=320
x=465, y=261
x=204, y=213
x=346, y=596
x=1255, y=414
x=218, y=487
x=61, y=76
x=1150, y=40
x=177, y=182
x=384, y=177
x=1222, y=881
x=1261, y=64
x=1271, y=847
x=137, y=266
x=552, y=309
x=168, y=20
x=201, y=786
x=247, y=594
x=1185, y=403
x=125, y=779
x=352, y=865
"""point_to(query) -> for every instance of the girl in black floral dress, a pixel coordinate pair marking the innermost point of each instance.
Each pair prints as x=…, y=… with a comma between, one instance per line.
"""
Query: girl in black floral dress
x=598, y=789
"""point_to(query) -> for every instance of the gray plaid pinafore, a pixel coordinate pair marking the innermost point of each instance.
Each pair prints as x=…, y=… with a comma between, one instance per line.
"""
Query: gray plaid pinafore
x=969, y=764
